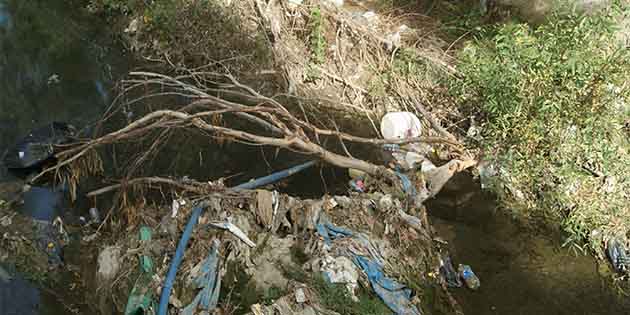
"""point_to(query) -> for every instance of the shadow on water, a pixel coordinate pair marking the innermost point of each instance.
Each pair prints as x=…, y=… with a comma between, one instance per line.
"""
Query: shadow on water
x=521, y=271
x=56, y=64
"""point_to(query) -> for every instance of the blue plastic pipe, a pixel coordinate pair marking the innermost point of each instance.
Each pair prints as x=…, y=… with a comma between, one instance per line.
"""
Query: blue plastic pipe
x=183, y=241
x=274, y=177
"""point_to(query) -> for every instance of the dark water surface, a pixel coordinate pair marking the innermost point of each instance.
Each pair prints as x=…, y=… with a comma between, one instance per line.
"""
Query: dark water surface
x=521, y=271
x=56, y=64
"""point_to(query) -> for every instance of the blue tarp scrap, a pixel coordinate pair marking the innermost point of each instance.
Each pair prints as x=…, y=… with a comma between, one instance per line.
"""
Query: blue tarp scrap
x=329, y=232
x=209, y=281
x=395, y=295
x=410, y=190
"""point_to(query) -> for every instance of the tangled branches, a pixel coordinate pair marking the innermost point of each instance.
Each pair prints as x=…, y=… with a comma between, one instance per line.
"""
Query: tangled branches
x=206, y=97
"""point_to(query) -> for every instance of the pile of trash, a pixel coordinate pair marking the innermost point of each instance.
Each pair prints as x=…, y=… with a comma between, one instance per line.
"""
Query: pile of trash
x=268, y=253
x=244, y=249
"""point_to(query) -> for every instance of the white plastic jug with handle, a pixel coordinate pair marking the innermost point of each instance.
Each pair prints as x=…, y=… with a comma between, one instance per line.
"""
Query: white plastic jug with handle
x=400, y=125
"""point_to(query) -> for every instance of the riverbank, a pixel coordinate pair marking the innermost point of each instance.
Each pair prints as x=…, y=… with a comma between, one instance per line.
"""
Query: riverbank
x=339, y=69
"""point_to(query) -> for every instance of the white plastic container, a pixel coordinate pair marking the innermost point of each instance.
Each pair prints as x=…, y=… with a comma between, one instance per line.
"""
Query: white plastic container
x=400, y=125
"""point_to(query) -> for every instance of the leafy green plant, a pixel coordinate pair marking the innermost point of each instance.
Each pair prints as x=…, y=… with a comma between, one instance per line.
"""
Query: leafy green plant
x=317, y=39
x=317, y=42
x=552, y=101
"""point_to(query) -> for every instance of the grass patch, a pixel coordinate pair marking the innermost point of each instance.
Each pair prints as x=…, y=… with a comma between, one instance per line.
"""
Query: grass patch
x=335, y=297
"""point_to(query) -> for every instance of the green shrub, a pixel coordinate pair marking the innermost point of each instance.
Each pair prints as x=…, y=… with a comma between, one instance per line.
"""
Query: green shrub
x=553, y=100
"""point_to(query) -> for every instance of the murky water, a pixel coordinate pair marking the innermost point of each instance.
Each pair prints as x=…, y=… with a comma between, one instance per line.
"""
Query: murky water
x=521, y=272
x=56, y=64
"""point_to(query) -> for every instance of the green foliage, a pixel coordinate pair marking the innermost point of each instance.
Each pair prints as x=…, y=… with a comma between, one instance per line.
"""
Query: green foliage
x=335, y=297
x=553, y=101
x=317, y=41
x=162, y=15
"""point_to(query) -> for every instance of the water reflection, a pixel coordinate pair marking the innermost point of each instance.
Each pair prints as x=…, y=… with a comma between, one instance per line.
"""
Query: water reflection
x=53, y=66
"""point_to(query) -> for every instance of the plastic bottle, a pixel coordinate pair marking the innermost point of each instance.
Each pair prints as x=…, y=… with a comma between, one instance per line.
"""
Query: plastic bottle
x=469, y=277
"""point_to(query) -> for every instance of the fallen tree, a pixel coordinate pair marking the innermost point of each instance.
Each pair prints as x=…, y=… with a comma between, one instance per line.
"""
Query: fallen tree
x=206, y=96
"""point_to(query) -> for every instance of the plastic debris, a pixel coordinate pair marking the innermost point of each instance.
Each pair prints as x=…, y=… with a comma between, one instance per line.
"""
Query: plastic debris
x=53, y=79
x=177, y=203
x=38, y=146
x=400, y=125
x=487, y=171
x=234, y=230
x=108, y=263
x=618, y=255
x=300, y=296
x=448, y=273
x=341, y=270
x=209, y=281
x=337, y=3
x=471, y=280
x=408, y=187
x=394, y=294
x=265, y=208
x=141, y=297
x=357, y=185
x=132, y=27
x=48, y=241
x=95, y=215
x=61, y=230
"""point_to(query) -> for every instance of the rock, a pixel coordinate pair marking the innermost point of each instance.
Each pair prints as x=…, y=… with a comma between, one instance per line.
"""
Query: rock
x=268, y=268
x=108, y=263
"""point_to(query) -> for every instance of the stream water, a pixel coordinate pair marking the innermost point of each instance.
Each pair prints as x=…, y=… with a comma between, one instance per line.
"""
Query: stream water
x=56, y=63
